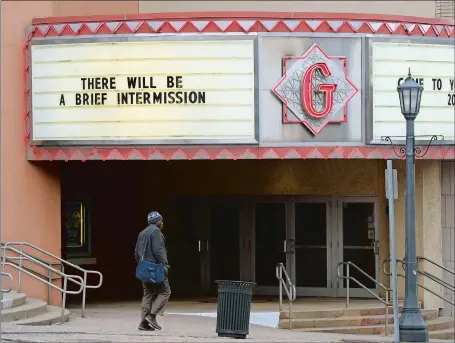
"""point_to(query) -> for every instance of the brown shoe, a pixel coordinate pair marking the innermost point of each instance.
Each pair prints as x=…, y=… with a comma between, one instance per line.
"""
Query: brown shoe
x=151, y=320
x=144, y=326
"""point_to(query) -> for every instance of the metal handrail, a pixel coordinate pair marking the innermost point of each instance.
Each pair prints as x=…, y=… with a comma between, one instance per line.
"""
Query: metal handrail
x=443, y=283
x=422, y=258
x=65, y=277
x=289, y=288
x=348, y=277
x=6, y=290
x=425, y=274
x=49, y=277
x=2, y=245
x=62, y=262
x=435, y=278
x=17, y=258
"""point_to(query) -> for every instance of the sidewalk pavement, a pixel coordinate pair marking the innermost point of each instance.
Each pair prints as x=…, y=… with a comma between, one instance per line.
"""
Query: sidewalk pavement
x=120, y=325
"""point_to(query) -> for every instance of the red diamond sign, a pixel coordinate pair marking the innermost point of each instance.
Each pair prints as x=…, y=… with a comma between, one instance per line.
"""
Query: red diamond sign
x=315, y=88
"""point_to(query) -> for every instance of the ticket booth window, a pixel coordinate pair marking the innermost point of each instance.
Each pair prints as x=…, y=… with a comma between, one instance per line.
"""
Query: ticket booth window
x=77, y=229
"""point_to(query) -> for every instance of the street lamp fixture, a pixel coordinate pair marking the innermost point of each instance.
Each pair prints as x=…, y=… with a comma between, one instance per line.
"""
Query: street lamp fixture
x=412, y=325
x=410, y=94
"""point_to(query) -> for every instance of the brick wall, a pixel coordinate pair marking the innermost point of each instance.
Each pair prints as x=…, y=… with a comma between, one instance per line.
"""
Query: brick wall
x=448, y=227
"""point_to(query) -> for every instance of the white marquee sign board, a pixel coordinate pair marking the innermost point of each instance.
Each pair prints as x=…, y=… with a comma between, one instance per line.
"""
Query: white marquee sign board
x=143, y=91
x=431, y=66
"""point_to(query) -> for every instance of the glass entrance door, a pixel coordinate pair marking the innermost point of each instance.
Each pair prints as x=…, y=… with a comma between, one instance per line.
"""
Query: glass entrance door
x=186, y=236
x=327, y=231
x=224, y=248
x=312, y=271
x=357, y=237
x=269, y=241
x=311, y=236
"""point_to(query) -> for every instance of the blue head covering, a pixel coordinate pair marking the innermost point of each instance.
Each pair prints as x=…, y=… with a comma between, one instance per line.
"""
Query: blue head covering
x=154, y=217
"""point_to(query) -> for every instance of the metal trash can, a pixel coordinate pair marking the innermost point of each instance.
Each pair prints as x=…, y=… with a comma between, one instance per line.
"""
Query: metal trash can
x=233, y=311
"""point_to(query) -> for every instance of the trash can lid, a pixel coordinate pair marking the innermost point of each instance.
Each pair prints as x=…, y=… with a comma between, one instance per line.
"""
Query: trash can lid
x=236, y=282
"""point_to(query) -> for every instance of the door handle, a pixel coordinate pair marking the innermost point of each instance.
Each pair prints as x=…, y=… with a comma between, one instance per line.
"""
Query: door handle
x=292, y=246
x=285, y=246
x=199, y=246
x=376, y=247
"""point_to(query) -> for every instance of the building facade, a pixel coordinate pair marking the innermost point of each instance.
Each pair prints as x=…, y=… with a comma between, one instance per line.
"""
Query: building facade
x=260, y=136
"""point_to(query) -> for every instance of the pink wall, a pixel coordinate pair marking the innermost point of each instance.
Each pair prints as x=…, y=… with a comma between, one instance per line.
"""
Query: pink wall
x=30, y=193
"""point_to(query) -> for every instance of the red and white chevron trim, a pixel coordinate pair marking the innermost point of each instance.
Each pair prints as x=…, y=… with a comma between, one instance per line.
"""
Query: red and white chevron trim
x=243, y=26
x=55, y=27
x=224, y=153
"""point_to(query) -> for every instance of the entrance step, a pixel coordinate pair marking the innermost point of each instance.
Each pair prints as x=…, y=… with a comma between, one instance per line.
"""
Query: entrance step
x=30, y=308
x=335, y=313
x=434, y=326
x=348, y=321
x=448, y=334
x=12, y=299
x=16, y=307
x=51, y=316
x=339, y=312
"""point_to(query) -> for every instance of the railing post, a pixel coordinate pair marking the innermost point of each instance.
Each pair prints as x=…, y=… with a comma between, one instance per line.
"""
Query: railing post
x=84, y=289
x=19, y=274
x=347, y=285
x=290, y=314
x=387, y=313
x=62, y=315
x=3, y=266
x=49, y=290
x=280, y=280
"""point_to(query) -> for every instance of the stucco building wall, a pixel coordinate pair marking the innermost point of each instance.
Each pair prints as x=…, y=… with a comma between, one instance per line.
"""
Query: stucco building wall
x=448, y=228
x=30, y=193
x=428, y=224
x=418, y=8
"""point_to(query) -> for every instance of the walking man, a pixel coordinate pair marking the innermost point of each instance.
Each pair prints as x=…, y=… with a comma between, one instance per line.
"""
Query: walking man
x=156, y=253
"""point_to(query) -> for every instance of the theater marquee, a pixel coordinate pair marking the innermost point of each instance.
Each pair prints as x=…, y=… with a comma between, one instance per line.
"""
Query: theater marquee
x=144, y=91
x=432, y=66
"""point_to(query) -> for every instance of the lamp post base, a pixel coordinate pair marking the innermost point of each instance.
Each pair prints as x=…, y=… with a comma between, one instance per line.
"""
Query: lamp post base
x=412, y=326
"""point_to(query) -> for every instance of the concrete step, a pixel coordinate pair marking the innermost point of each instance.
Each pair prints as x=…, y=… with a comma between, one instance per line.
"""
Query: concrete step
x=12, y=299
x=6, y=304
x=30, y=308
x=339, y=312
x=348, y=321
x=448, y=334
x=335, y=313
x=51, y=316
x=441, y=323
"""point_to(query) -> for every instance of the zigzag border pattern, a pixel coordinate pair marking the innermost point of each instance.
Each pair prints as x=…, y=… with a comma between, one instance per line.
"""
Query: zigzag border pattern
x=224, y=153
x=243, y=26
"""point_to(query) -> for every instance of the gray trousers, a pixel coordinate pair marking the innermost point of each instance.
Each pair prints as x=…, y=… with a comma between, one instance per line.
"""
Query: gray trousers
x=155, y=306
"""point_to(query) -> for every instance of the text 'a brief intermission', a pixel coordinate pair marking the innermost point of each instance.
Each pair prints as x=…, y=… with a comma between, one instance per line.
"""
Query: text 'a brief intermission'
x=97, y=91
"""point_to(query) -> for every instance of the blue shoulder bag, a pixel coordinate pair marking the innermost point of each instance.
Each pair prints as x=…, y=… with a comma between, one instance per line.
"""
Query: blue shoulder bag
x=147, y=271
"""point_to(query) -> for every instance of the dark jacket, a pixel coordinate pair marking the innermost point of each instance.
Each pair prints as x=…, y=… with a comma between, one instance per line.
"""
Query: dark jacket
x=156, y=250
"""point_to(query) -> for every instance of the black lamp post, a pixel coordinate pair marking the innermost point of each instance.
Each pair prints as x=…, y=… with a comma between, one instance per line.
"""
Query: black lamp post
x=412, y=325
